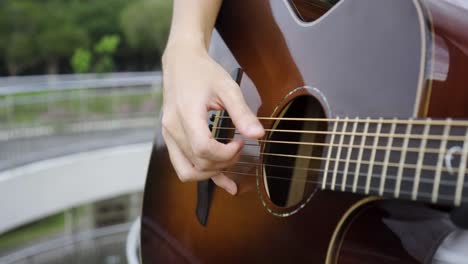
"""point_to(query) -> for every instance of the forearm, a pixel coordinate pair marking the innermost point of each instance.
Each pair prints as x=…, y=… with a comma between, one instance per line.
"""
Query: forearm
x=193, y=22
x=194, y=84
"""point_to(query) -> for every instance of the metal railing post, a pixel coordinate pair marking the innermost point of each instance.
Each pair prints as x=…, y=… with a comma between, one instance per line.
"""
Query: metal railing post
x=9, y=100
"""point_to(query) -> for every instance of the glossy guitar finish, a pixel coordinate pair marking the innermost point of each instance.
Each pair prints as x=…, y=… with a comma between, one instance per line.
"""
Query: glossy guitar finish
x=368, y=58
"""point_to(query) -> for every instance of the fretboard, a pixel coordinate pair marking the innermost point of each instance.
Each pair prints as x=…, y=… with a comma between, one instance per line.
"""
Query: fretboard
x=420, y=159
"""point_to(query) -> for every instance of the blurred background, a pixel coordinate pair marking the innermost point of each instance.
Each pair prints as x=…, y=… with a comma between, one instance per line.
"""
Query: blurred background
x=80, y=92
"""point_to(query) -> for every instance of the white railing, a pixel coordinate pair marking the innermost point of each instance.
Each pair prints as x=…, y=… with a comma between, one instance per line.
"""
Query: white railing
x=44, y=106
x=22, y=84
x=35, y=100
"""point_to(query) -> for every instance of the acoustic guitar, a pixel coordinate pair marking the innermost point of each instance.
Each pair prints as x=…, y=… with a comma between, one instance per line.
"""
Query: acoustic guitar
x=365, y=107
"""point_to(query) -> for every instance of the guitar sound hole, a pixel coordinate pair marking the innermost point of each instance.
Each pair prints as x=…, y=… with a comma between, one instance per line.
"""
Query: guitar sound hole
x=289, y=177
x=310, y=10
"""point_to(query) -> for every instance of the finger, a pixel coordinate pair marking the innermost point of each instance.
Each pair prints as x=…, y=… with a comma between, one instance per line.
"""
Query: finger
x=201, y=163
x=206, y=164
x=183, y=167
x=243, y=118
x=226, y=183
x=202, y=143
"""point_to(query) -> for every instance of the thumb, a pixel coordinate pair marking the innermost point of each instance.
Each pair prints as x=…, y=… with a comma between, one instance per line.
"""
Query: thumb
x=241, y=115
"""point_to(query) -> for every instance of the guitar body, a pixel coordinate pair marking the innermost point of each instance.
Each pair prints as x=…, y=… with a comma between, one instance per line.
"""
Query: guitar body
x=371, y=58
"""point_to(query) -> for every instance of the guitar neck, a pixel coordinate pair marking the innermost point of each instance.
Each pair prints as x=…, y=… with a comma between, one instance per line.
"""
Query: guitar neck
x=417, y=159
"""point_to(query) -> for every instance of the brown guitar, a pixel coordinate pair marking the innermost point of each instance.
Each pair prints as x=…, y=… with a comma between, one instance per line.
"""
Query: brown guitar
x=365, y=105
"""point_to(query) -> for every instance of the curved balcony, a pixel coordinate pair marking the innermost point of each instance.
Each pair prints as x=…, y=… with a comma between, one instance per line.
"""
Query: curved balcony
x=74, y=151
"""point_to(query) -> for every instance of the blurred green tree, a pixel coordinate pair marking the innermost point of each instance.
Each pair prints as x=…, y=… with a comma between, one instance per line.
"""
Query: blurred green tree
x=98, y=18
x=145, y=24
x=104, y=49
x=19, y=34
x=81, y=60
x=20, y=53
x=40, y=32
x=44, y=36
x=59, y=34
x=107, y=45
x=60, y=43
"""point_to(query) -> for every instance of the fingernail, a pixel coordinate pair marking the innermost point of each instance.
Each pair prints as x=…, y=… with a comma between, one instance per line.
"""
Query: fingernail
x=254, y=129
x=232, y=189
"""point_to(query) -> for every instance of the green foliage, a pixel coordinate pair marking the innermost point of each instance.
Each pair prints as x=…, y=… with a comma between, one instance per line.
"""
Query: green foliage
x=59, y=35
x=107, y=45
x=145, y=24
x=60, y=43
x=19, y=34
x=20, y=53
x=81, y=60
x=98, y=17
x=43, y=35
x=39, y=229
x=104, y=49
x=104, y=64
x=39, y=32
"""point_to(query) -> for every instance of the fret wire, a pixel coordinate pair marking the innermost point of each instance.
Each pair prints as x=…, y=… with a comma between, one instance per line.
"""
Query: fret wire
x=409, y=166
x=431, y=137
x=443, y=147
x=379, y=163
x=392, y=177
x=419, y=163
x=348, y=156
x=447, y=198
x=386, y=160
x=361, y=150
x=385, y=121
x=372, y=158
x=461, y=172
x=327, y=162
x=338, y=154
x=402, y=160
x=419, y=167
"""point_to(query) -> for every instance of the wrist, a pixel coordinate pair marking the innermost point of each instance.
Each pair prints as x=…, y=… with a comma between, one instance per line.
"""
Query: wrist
x=182, y=47
x=194, y=39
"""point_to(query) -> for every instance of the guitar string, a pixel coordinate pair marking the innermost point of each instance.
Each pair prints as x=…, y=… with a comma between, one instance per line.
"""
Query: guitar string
x=410, y=179
x=428, y=150
x=429, y=137
x=425, y=167
x=420, y=194
x=312, y=181
x=436, y=122
x=407, y=166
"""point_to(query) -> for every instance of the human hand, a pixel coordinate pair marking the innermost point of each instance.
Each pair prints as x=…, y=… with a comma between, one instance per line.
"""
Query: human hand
x=193, y=85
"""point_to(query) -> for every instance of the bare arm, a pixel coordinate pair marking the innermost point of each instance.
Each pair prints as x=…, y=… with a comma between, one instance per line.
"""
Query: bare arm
x=193, y=85
x=193, y=22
